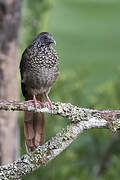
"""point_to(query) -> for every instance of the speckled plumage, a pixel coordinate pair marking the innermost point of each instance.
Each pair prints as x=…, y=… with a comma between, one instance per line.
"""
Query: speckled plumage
x=39, y=69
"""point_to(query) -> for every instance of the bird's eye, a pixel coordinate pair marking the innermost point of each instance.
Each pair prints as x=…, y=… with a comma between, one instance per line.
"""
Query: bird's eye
x=45, y=38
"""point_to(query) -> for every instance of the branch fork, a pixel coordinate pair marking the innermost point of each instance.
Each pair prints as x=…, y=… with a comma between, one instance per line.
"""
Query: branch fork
x=81, y=119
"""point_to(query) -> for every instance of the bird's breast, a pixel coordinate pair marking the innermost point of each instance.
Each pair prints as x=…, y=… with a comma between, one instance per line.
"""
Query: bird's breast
x=41, y=70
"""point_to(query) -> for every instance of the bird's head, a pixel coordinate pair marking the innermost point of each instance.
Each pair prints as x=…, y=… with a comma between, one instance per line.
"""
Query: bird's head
x=45, y=39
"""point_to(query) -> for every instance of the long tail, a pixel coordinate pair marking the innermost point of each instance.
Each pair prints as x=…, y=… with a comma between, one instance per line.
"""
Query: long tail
x=34, y=129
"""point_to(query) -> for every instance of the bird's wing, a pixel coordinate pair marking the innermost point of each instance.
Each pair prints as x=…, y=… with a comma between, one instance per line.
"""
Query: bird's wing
x=23, y=68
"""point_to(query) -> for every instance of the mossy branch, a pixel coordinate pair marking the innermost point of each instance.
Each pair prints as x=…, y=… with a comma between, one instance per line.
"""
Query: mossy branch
x=81, y=119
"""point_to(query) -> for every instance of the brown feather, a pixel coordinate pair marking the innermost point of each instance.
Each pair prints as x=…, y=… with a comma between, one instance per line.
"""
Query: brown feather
x=34, y=128
x=39, y=70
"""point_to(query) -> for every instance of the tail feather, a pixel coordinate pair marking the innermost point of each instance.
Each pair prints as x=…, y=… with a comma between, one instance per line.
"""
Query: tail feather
x=28, y=128
x=34, y=129
x=39, y=128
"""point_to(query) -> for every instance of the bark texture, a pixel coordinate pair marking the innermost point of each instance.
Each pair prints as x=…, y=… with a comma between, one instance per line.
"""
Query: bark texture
x=81, y=119
x=9, y=25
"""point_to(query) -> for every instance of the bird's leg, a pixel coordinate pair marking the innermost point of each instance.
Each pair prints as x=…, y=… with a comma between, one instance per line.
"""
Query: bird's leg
x=40, y=102
x=31, y=100
x=48, y=101
x=40, y=99
x=35, y=101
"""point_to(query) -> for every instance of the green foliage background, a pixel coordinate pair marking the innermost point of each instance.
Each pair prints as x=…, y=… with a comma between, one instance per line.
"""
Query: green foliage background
x=88, y=43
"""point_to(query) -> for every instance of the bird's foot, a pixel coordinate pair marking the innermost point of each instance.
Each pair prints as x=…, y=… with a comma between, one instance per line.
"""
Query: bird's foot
x=28, y=101
x=32, y=100
x=49, y=102
x=35, y=101
x=41, y=103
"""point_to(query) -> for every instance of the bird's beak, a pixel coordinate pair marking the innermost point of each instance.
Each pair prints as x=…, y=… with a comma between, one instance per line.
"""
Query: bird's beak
x=53, y=41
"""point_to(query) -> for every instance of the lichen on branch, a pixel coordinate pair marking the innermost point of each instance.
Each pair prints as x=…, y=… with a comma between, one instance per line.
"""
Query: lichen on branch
x=81, y=119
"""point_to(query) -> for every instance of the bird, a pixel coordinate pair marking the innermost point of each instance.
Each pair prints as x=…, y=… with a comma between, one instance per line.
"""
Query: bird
x=39, y=69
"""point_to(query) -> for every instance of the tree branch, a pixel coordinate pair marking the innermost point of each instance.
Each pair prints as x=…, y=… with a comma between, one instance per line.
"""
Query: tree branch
x=82, y=119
